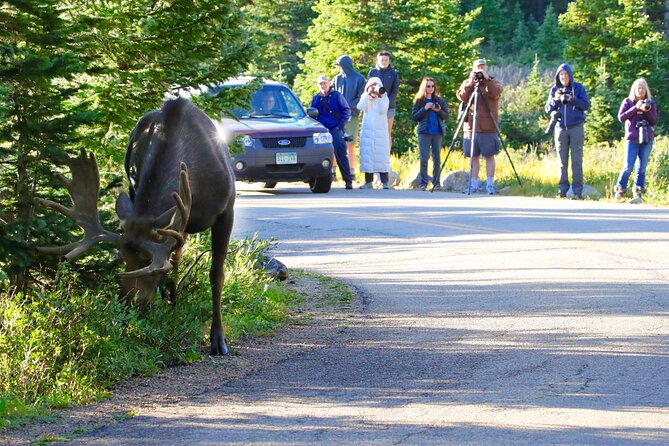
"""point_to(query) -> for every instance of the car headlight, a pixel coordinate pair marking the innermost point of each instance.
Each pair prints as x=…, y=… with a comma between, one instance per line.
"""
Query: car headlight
x=247, y=141
x=322, y=138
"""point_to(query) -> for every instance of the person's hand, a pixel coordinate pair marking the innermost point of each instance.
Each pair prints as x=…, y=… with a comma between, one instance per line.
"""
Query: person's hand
x=429, y=105
x=436, y=107
x=639, y=104
x=558, y=95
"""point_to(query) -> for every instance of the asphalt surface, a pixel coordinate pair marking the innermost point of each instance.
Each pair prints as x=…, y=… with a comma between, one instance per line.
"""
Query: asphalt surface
x=486, y=320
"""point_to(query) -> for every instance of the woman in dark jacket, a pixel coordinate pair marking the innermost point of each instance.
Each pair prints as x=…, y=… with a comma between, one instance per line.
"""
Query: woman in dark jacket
x=429, y=111
x=639, y=113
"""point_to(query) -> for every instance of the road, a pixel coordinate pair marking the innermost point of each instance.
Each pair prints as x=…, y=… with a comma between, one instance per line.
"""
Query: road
x=486, y=320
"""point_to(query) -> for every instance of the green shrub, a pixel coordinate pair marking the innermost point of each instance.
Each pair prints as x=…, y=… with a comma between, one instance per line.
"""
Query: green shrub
x=67, y=342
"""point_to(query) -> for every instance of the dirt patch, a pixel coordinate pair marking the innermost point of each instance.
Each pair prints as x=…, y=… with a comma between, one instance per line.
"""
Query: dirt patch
x=316, y=322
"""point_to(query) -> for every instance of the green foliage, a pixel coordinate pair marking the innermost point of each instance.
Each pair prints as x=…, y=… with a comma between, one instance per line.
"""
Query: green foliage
x=550, y=43
x=521, y=118
x=278, y=28
x=72, y=339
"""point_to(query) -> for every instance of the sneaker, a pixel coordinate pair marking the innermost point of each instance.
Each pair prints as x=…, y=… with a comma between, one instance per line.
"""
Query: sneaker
x=620, y=192
x=422, y=187
x=436, y=187
x=561, y=195
x=471, y=190
x=385, y=186
x=369, y=185
x=349, y=186
x=490, y=189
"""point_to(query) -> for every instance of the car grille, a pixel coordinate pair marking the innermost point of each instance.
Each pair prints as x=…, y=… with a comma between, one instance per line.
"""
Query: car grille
x=284, y=168
x=294, y=142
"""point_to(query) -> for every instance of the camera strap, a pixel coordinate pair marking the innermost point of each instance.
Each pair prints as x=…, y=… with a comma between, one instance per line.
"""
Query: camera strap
x=327, y=108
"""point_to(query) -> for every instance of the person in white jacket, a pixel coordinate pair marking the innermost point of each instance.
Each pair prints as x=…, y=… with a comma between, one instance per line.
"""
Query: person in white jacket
x=374, y=137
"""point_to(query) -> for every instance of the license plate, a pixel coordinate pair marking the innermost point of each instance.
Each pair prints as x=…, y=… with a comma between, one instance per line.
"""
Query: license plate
x=286, y=158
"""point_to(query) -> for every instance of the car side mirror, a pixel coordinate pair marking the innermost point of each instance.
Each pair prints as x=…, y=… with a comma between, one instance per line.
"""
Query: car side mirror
x=312, y=112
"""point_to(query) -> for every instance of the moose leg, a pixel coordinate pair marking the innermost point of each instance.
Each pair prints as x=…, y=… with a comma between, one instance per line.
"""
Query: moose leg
x=220, y=238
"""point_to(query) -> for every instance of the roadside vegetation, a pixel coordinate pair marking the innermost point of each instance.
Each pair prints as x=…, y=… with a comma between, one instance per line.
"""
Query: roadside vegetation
x=69, y=340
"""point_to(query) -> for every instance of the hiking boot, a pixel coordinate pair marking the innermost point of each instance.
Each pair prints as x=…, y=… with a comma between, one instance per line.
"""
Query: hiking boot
x=385, y=186
x=436, y=186
x=490, y=189
x=637, y=191
x=422, y=187
x=620, y=192
x=368, y=185
x=349, y=186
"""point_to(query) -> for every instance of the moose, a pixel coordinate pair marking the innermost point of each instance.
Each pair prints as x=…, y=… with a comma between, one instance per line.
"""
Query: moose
x=181, y=182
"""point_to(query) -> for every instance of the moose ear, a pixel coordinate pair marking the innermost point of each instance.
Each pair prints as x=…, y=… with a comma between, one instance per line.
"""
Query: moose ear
x=123, y=206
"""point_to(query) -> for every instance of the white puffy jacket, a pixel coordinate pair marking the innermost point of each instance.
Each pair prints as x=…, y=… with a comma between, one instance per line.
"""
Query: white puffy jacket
x=374, y=138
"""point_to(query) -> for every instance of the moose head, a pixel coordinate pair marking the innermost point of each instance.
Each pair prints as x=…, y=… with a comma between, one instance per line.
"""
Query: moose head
x=149, y=246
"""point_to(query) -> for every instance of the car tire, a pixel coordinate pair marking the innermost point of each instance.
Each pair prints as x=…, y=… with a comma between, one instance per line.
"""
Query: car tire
x=321, y=185
x=269, y=185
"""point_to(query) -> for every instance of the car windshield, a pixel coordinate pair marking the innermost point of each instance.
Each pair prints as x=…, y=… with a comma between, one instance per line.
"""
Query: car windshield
x=272, y=101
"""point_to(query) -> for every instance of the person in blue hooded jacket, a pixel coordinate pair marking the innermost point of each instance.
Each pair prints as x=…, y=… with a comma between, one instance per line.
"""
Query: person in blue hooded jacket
x=569, y=100
x=333, y=113
x=351, y=85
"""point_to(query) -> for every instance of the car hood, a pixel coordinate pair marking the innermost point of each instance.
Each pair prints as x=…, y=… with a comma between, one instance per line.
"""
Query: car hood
x=273, y=126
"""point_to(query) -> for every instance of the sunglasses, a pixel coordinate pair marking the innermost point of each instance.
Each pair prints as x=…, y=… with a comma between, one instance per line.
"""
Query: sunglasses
x=429, y=86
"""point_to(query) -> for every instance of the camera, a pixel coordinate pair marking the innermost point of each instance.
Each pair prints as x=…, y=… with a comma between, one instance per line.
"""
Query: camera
x=479, y=75
x=565, y=91
x=555, y=118
x=377, y=90
x=642, y=125
x=646, y=105
x=348, y=138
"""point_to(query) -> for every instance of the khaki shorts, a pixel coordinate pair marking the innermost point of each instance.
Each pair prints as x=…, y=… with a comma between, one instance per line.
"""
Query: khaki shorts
x=352, y=127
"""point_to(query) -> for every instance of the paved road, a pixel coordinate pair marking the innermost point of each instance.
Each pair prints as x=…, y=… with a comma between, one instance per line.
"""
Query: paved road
x=486, y=320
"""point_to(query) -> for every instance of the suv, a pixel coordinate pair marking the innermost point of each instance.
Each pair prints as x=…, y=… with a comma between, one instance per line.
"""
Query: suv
x=277, y=139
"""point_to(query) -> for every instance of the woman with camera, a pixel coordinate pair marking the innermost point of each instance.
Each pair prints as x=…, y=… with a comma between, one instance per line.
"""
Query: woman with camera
x=639, y=113
x=429, y=111
x=374, y=137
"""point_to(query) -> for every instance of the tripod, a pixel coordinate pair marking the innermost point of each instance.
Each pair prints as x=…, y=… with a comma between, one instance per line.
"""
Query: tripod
x=474, y=98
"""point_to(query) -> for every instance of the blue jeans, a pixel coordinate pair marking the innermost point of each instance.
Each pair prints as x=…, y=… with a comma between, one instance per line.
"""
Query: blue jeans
x=634, y=150
x=429, y=143
x=340, y=154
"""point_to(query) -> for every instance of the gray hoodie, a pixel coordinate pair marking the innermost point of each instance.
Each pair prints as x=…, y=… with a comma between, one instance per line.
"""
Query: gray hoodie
x=350, y=83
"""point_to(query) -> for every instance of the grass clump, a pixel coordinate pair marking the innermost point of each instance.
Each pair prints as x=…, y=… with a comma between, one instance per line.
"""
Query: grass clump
x=69, y=340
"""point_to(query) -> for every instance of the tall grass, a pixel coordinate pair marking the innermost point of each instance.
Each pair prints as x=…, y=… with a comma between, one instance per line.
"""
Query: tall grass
x=67, y=342
x=539, y=175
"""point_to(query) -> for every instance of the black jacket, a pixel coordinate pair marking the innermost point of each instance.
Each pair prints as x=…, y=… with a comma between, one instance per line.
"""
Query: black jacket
x=390, y=80
x=420, y=115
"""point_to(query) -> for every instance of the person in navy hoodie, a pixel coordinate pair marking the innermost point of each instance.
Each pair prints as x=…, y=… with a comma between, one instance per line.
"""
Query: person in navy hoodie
x=333, y=113
x=570, y=101
x=639, y=113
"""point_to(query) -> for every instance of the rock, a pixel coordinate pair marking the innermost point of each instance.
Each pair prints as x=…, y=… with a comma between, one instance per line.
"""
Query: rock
x=588, y=192
x=455, y=181
x=393, y=179
x=413, y=184
x=275, y=268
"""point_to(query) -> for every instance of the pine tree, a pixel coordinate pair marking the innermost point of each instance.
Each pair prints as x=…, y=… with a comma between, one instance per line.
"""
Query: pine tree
x=41, y=58
x=279, y=28
x=549, y=43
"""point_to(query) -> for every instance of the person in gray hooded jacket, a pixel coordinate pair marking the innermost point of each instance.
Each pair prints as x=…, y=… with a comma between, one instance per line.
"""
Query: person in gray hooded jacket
x=351, y=85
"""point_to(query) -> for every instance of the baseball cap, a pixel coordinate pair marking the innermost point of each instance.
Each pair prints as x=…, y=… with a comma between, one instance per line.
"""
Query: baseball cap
x=322, y=78
x=478, y=62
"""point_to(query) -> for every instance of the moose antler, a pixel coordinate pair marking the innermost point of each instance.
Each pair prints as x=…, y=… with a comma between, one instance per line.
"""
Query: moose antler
x=84, y=191
x=173, y=233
